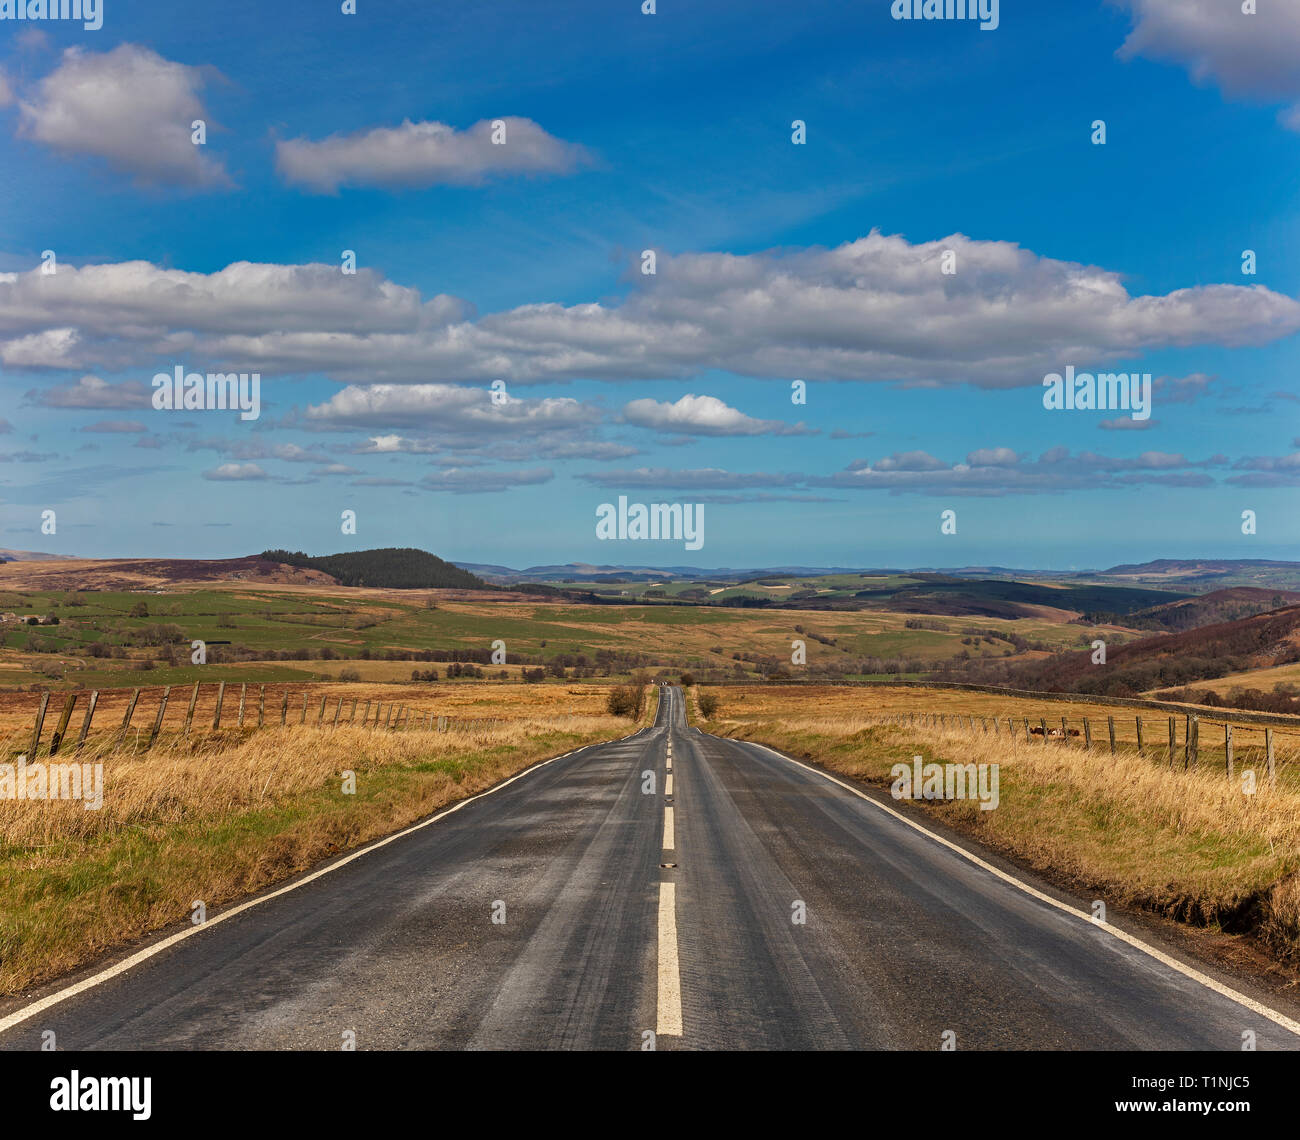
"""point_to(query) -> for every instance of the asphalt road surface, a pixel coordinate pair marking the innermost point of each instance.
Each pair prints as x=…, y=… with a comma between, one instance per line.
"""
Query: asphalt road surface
x=654, y=885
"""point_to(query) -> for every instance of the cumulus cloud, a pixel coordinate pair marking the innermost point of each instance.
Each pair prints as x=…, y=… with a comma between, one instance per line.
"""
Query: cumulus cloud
x=707, y=478
x=1183, y=389
x=235, y=472
x=128, y=106
x=1268, y=471
x=425, y=154
x=1000, y=471
x=476, y=482
x=91, y=392
x=6, y=91
x=703, y=415
x=116, y=427
x=447, y=407
x=875, y=309
x=1246, y=55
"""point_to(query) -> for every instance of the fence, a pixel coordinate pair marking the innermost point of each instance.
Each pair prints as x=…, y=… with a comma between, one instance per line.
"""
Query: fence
x=1186, y=750
x=254, y=711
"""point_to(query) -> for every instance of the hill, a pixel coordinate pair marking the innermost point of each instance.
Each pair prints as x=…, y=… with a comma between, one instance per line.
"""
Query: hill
x=1213, y=608
x=399, y=568
x=1263, y=641
x=1198, y=575
x=150, y=573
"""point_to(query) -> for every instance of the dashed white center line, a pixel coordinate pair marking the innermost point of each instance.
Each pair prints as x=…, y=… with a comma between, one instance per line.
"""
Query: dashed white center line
x=669, y=1012
x=668, y=784
x=669, y=842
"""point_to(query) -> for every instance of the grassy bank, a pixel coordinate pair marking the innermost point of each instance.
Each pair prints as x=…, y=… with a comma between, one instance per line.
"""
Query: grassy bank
x=1125, y=827
x=216, y=819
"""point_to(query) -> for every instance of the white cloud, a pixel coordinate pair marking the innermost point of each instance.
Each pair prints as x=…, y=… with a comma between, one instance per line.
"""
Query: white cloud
x=116, y=427
x=129, y=107
x=1246, y=55
x=235, y=472
x=6, y=91
x=876, y=309
x=703, y=415
x=447, y=407
x=473, y=481
x=92, y=392
x=425, y=154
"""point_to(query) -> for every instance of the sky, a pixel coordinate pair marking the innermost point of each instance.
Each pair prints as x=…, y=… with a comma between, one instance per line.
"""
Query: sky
x=906, y=224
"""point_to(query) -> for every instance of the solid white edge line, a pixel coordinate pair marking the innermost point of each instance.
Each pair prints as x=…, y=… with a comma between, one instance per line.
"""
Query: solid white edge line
x=1123, y=935
x=24, y=1013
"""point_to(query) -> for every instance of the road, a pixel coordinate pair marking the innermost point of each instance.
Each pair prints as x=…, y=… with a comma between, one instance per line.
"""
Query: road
x=540, y=915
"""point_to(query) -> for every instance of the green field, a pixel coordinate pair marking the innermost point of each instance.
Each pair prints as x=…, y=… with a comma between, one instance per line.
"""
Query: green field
x=301, y=633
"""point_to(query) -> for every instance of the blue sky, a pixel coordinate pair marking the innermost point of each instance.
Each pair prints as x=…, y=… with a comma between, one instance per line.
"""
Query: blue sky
x=521, y=261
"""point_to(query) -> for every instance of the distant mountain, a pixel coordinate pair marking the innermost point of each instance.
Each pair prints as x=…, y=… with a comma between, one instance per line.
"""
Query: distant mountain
x=1185, y=576
x=1199, y=575
x=401, y=568
x=33, y=556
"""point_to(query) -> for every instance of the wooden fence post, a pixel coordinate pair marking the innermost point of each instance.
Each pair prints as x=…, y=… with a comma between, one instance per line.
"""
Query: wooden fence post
x=1011, y=728
x=1087, y=735
x=365, y=716
x=221, y=699
x=1139, y=727
x=126, y=717
x=189, y=712
x=388, y=717
x=1173, y=740
x=320, y=713
x=1227, y=747
x=57, y=739
x=1268, y=754
x=157, y=724
x=90, y=713
x=1110, y=723
x=261, y=705
x=352, y=712
x=1194, y=742
x=996, y=730
x=284, y=709
x=1042, y=721
x=243, y=691
x=303, y=719
x=40, y=723
x=338, y=710
x=1065, y=732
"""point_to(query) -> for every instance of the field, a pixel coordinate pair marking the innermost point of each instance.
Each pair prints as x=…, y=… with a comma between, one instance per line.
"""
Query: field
x=294, y=633
x=1128, y=827
x=224, y=814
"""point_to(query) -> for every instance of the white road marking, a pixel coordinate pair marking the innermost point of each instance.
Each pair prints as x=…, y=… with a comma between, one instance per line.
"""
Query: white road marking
x=28, y=1011
x=668, y=784
x=668, y=1022
x=1123, y=935
x=669, y=843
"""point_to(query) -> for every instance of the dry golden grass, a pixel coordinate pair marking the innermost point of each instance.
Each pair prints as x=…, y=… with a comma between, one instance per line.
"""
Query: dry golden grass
x=1188, y=844
x=220, y=816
